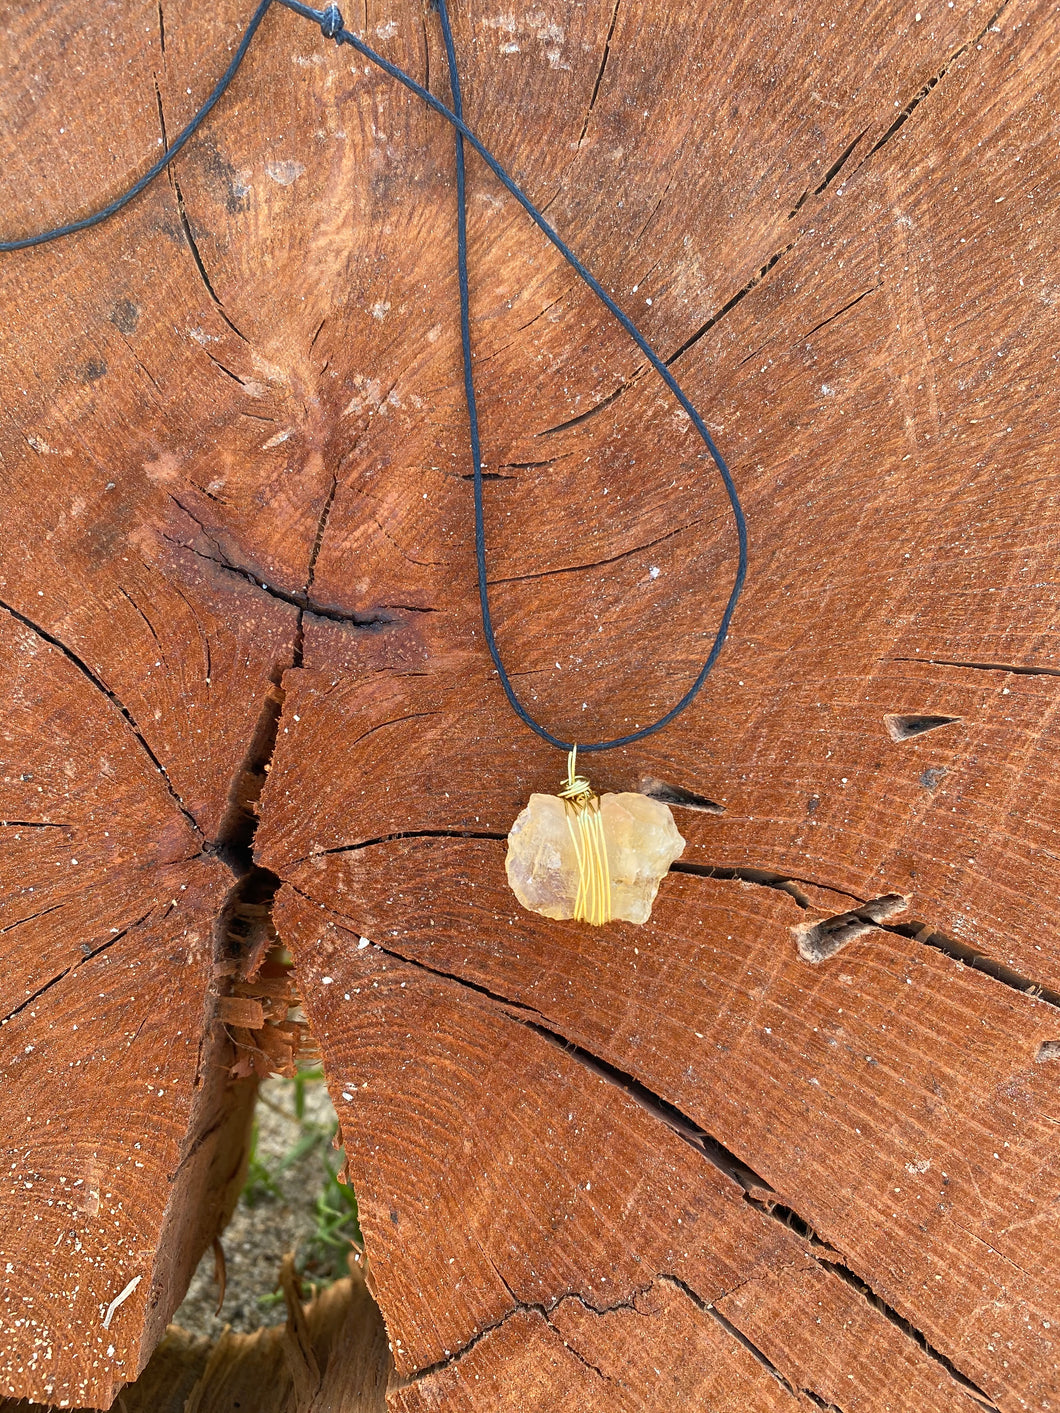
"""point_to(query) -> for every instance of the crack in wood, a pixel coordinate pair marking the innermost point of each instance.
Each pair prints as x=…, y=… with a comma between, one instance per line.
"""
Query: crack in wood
x=661, y=1109
x=829, y=176
x=819, y=1402
x=546, y=1309
x=720, y=1157
x=200, y=264
x=381, y=726
x=654, y=1104
x=540, y=315
x=161, y=115
x=974, y=959
x=138, y=360
x=677, y=795
x=763, y=877
x=933, y=82
x=86, y=955
x=21, y=921
x=115, y=701
x=522, y=466
x=730, y=1329
x=788, y=1217
x=521, y=1307
x=403, y=552
x=597, y=407
x=512, y=1008
x=546, y=1312
x=204, y=637
x=402, y=833
x=298, y=655
x=729, y=305
x=845, y=1274
x=426, y=55
x=322, y=525
x=598, y=563
x=370, y=620
x=139, y=611
x=756, y=1191
x=850, y=304
x=1020, y=671
x=570, y=1348
x=830, y=1259
x=677, y=169
x=244, y=932
x=515, y=1009
x=235, y=834
x=183, y=215
x=599, y=73
x=222, y=368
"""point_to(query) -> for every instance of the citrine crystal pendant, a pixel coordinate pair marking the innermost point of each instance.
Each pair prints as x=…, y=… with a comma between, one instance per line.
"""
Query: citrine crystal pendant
x=593, y=858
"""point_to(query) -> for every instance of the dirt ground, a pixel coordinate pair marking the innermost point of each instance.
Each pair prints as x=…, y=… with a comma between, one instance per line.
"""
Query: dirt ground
x=267, y=1223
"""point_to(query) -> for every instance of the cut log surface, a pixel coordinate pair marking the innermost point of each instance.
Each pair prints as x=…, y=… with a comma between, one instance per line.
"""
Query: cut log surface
x=330, y=1355
x=793, y=1143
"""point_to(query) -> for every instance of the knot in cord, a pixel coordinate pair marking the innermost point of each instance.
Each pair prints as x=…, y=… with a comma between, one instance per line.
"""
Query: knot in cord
x=331, y=23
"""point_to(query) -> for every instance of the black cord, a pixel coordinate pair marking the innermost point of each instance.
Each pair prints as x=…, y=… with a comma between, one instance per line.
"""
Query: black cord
x=476, y=452
x=331, y=25
x=163, y=161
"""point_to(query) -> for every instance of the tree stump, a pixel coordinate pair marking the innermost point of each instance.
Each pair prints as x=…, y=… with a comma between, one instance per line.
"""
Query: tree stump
x=791, y=1143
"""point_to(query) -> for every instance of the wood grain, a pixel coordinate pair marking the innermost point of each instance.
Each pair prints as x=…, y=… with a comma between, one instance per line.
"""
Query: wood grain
x=587, y=1214
x=234, y=462
x=331, y=1354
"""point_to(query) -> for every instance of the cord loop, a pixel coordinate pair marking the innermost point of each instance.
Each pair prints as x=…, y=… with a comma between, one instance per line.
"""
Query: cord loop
x=331, y=26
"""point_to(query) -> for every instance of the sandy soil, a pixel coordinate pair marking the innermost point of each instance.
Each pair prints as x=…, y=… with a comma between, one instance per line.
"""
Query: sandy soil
x=264, y=1227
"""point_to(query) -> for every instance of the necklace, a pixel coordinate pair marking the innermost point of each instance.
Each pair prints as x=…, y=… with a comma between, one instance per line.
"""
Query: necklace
x=576, y=854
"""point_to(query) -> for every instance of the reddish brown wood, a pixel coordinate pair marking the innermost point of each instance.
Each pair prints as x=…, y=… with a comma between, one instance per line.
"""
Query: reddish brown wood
x=611, y=1169
x=331, y=1354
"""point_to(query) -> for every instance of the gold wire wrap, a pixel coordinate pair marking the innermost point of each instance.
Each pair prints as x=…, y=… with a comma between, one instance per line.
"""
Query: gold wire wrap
x=593, y=903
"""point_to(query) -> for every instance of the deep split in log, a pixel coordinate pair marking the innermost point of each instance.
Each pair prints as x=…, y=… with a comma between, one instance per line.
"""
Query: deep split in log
x=792, y=1143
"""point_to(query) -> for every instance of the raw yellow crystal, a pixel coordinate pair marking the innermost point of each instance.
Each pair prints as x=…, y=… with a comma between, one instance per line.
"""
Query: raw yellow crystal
x=642, y=842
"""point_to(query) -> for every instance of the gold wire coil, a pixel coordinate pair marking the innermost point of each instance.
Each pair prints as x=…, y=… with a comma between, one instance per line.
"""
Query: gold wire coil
x=586, y=826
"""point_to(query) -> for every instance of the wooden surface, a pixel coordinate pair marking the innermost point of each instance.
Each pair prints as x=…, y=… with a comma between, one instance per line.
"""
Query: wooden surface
x=330, y=1356
x=684, y=1164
